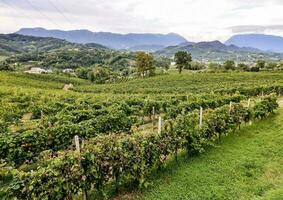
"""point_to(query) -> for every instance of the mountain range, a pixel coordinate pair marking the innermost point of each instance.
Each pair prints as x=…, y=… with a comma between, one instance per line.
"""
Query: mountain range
x=11, y=44
x=259, y=41
x=43, y=40
x=219, y=52
x=112, y=40
x=151, y=42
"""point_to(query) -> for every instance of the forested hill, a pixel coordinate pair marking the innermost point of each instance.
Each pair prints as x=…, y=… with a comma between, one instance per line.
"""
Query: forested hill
x=15, y=44
x=24, y=52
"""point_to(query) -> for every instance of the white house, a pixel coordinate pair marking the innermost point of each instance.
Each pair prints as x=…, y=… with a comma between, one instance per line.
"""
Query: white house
x=68, y=71
x=37, y=70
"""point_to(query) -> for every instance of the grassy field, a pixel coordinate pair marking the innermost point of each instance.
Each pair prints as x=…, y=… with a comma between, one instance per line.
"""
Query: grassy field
x=244, y=166
x=188, y=82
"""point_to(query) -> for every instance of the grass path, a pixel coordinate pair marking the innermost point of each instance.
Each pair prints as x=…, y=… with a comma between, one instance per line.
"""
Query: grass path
x=248, y=165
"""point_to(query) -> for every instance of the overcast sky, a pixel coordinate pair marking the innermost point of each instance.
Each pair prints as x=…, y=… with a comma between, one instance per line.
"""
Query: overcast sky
x=197, y=20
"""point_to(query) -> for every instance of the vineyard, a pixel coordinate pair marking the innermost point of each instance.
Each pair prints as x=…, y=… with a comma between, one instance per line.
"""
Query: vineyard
x=92, y=139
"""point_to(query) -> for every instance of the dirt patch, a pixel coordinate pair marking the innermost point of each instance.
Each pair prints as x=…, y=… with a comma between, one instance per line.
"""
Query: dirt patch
x=68, y=87
x=27, y=117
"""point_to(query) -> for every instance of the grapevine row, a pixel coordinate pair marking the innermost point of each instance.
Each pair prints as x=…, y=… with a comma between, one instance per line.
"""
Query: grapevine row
x=119, y=158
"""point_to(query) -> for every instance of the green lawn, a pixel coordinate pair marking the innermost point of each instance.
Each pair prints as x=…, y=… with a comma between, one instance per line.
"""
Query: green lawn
x=248, y=165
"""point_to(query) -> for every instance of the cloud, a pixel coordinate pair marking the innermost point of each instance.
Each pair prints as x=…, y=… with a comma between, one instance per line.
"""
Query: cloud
x=255, y=28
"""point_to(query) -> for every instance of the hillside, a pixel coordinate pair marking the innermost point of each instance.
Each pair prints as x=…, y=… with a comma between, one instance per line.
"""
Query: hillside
x=188, y=83
x=171, y=84
x=15, y=44
x=217, y=51
x=45, y=52
x=73, y=58
x=111, y=40
x=259, y=41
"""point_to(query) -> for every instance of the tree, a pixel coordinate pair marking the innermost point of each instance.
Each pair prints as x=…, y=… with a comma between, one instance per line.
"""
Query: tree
x=4, y=66
x=144, y=64
x=243, y=67
x=254, y=69
x=162, y=62
x=260, y=64
x=182, y=59
x=82, y=72
x=99, y=74
x=271, y=66
x=280, y=65
x=196, y=66
x=229, y=65
x=214, y=67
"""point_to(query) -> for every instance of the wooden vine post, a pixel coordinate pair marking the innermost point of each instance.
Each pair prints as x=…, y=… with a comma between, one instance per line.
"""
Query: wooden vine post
x=77, y=144
x=262, y=94
x=159, y=124
x=230, y=107
x=200, y=117
x=153, y=117
x=41, y=115
x=249, y=104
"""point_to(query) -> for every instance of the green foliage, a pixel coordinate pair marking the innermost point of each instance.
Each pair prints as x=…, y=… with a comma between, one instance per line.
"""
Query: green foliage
x=15, y=43
x=255, y=69
x=196, y=66
x=101, y=74
x=4, y=66
x=236, y=168
x=162, y=62
x=260, y=64
x=243, y=67
x=271, y=66
x=3, y=127
x=266, y=106
x=104, y=116
x=123, y=158
x=229, y=65
x=144, y=64
x=182, y=59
